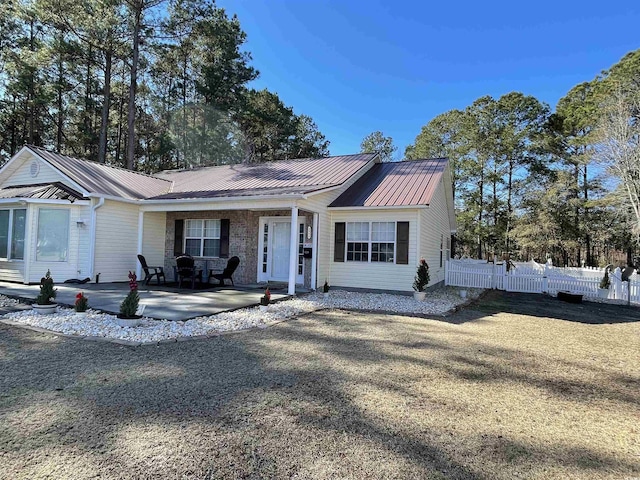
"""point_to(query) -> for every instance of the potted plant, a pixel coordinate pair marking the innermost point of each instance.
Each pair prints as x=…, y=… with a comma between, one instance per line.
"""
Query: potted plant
x=325, y=289
x=129, y=306
x=81, y=305
x=421, y=281
x=605, y=283
x=44, y=301
x=265, y=300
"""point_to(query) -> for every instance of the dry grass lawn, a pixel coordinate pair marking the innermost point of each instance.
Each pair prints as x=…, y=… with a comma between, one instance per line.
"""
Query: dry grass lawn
x=491, y=393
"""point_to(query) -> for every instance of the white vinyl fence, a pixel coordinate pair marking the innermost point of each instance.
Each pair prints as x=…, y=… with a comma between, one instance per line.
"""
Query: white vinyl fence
x=533, y=277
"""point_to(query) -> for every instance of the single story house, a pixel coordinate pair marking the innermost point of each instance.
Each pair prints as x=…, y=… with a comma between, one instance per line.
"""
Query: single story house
x=350, y=220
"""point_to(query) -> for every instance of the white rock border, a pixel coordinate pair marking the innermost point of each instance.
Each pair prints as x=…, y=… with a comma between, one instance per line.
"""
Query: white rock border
x=98, y=325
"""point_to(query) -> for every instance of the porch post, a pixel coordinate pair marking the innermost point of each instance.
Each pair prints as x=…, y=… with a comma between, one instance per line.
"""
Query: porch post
x=314, y=253
x=293, y=251
x=140, y=236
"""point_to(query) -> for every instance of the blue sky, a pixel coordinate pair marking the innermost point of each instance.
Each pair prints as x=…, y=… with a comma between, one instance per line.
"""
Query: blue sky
x=356, y=67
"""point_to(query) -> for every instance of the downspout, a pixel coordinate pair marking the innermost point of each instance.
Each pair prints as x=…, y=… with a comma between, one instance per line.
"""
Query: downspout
x=92, y=240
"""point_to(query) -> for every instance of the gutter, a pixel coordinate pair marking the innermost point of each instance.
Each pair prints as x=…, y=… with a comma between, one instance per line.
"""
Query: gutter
x=92, y=240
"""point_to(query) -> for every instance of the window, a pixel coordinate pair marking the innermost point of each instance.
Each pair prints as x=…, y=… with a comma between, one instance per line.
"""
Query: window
x=371, y=242
x=383, y=237
x=358, y=241
x=12, y=228
x=53, y=235
x=202, y=238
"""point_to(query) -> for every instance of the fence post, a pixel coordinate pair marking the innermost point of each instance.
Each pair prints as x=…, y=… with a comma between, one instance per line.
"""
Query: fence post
x=446, y=272
x=617, y=283
x=494, y=281
x=545, y=281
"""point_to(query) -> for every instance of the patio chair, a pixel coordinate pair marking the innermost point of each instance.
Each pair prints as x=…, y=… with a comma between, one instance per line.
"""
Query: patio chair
x=232, y=264
x=151, y=272
x=185, y=268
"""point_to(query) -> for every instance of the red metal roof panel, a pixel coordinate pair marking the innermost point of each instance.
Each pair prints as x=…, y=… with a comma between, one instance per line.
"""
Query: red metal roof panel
x=408, y=183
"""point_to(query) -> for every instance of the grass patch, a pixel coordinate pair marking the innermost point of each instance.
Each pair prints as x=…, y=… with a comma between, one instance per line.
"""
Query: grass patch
x=331, y=395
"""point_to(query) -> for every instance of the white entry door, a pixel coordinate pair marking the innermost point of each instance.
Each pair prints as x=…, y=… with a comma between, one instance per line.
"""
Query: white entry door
x=274, y=249
x=280, y=240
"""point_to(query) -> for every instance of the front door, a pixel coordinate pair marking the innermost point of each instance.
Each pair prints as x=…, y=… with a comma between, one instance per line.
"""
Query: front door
x=274, y=249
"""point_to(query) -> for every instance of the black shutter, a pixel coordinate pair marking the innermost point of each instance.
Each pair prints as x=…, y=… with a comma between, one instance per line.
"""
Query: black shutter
x=338, y=246
x=178, y=236
x=224, y=238
x=402, y=243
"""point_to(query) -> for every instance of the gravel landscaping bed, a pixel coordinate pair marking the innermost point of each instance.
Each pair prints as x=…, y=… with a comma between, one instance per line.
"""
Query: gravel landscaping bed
x=102, y=325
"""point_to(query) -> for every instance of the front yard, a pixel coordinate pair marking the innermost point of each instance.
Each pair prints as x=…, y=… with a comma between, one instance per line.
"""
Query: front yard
x=333, y=394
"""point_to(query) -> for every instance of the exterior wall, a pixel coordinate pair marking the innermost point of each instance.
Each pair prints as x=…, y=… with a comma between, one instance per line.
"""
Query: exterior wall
x=77, y=264
x=153, y=237
x=435, y=225
x=243, y=241
x=318, y=204
x=22, y=176
x=116, y=241
x=373, y=275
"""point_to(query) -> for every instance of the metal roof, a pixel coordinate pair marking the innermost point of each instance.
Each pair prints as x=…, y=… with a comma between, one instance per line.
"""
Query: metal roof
x=284, y=176
x=395, y=184
x=104, y=179
x=51, y=191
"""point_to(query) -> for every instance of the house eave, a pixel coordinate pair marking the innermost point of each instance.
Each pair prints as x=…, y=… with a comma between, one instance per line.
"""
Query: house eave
x=235, y=203
x=47, y=201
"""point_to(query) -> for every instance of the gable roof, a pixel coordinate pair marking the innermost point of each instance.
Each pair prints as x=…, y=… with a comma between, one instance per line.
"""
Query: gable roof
x=283, y=177
x=104, y=179
x=272, y=178
x=395, y=184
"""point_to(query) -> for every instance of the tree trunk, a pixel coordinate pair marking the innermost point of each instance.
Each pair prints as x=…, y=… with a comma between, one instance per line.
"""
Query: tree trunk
x=587, y=238
x=59, y=131
x=87, y=106
x=133, y=84
x=104, y=121
x=481, y=191
x=31, y=93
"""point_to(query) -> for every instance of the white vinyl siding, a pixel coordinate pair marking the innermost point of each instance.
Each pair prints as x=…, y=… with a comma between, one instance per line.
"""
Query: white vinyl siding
x=375, y=275
x=154, y=237
x=116, y=241
x=435, y=229
x=46, y=174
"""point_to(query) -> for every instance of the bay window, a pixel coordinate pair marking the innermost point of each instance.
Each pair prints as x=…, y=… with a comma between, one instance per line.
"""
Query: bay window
x=12, y=230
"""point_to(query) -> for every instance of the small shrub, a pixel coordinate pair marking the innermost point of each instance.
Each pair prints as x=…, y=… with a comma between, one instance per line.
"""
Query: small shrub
x=325, y=287
x=422, y=276
x=82, y=303
x=47, y=291
x=129, y=305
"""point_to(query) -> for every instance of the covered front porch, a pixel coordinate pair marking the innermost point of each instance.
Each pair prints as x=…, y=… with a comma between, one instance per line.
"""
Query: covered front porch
x=277, y=242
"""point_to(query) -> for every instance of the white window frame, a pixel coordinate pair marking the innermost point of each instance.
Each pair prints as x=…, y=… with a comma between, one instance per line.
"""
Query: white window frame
x=37, y=233
x=370, y=242
x=10, y=234
x=202, y=236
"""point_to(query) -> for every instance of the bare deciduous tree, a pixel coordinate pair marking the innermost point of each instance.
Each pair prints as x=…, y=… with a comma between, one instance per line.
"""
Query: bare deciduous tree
x=618, y=147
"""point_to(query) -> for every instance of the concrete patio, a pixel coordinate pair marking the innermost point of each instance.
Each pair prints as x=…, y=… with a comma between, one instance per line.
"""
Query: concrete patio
x=162, y=302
